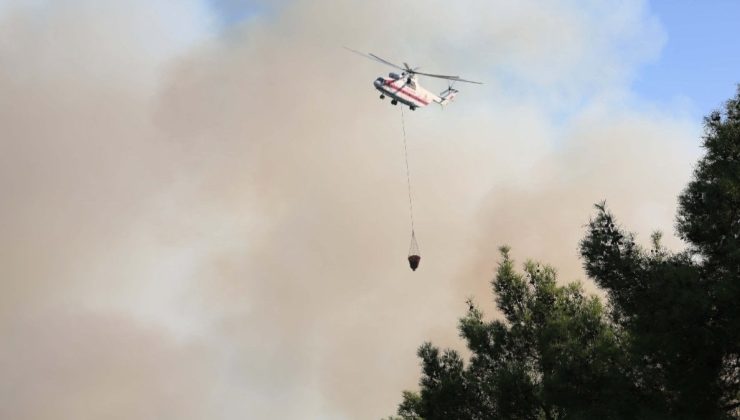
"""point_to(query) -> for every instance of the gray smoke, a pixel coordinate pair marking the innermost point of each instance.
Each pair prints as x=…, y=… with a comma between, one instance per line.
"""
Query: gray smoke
x=202, y=221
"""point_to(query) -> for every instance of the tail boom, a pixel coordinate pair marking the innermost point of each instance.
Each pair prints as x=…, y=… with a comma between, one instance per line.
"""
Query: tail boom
x=447, y=96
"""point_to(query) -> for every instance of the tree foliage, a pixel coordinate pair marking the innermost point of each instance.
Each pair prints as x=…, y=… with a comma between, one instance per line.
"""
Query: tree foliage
x=554, y=355
x=666, y=346
x=680, y=309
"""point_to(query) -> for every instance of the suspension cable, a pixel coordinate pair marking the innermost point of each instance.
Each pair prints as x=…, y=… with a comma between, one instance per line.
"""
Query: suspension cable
x=408, y=175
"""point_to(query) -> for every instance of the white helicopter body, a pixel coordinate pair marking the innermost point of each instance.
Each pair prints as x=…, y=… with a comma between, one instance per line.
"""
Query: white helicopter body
x=407, y=90
x=405, y=87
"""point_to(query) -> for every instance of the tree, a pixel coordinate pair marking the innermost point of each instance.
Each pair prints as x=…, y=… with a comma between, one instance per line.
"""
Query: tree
x=554, y=356
x=659, y=300
x=709, y=220
x=680, y=309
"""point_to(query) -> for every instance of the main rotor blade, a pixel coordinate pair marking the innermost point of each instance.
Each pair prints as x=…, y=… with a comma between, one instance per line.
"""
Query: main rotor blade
x=376, y=58
x=386, y=62
x=441, y=76
x=408, y=68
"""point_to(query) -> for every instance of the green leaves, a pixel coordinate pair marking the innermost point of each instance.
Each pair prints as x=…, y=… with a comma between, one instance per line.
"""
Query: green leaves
x=709, y=212
x=554, y=354
x=680, y=309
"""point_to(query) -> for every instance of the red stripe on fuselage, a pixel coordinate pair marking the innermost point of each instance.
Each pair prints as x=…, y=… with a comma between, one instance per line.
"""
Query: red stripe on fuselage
x=405, y=91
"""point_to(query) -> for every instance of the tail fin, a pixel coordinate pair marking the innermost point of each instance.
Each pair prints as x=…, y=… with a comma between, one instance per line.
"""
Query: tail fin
x=447, y=96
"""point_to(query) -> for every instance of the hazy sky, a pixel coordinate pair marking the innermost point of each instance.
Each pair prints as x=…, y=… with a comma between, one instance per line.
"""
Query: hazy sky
x=203, y=203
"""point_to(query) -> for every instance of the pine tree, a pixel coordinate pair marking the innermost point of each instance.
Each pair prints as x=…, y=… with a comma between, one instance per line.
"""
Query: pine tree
x=681, y=309
x=554, y=356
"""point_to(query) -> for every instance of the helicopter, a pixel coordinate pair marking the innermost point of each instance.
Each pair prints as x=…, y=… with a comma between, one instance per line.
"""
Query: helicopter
x=405, y=87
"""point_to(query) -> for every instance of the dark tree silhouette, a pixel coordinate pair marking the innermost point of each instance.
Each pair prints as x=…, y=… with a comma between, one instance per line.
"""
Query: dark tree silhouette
x=554, y=355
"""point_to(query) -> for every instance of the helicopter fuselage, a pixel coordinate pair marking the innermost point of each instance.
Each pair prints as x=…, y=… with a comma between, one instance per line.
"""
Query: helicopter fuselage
x=404, y=89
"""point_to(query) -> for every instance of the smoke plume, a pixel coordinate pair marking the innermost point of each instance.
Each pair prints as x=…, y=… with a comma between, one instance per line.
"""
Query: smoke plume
x=209, y=221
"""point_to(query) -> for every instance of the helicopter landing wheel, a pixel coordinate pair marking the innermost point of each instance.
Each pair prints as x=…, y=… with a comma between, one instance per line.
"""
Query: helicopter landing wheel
x=382, y=96
x=394, y=102
x=413, y=108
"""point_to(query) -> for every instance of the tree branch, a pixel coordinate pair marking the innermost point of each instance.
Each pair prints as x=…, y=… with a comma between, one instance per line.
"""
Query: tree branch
x=732, y=406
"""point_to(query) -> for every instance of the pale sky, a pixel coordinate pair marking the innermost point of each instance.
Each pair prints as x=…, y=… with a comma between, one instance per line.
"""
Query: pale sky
x=203, y=203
